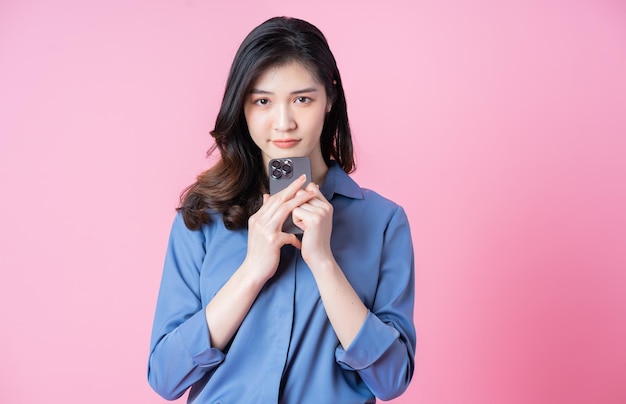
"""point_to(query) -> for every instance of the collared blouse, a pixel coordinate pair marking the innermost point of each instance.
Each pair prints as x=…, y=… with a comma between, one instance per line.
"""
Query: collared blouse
x=286, y=349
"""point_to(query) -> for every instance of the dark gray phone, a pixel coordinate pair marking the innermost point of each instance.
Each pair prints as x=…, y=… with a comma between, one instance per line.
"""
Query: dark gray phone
x=283, y=172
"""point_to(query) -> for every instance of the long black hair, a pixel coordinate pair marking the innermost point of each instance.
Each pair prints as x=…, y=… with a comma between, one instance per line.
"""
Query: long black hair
x=235, y=184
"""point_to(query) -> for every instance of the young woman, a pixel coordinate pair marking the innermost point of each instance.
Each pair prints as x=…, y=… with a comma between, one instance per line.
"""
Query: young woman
x=248, y=313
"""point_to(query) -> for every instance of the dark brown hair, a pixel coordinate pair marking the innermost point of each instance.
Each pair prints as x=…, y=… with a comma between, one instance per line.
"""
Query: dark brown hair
x=234, y=186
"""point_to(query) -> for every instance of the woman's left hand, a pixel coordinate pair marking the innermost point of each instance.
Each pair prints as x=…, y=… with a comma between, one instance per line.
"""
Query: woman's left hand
x=344, y=308
x=315, y=218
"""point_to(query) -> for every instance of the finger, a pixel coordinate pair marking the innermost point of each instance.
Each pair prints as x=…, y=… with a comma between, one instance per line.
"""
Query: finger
x=307, y=214
x=271, y=202
x=318, y=202
x=312, y=187
x=298, y=218
x=314, y=211
x=306, y=219
x=283, y=211
x=275, y=211
x=291, y=239
x=293, y=188
x=299, y=199
x=310, y=206
x=286, y=194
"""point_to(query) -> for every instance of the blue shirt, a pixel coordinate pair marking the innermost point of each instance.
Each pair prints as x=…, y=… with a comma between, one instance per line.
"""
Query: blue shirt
x=286, y=350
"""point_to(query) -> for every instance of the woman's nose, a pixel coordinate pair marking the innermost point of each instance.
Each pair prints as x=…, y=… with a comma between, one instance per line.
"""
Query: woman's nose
x=284, y=119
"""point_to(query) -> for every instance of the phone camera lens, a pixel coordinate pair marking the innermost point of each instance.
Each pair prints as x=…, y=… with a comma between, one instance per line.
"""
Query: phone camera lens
x=276, y=164
x=276, y=173
x=287, y=168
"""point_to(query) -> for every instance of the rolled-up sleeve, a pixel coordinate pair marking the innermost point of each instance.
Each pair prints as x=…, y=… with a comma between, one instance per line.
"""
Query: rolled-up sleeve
x=383, y=350
x=180, y=348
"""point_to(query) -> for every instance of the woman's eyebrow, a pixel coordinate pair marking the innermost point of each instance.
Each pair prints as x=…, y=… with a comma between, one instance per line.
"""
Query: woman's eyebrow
x=304, y=90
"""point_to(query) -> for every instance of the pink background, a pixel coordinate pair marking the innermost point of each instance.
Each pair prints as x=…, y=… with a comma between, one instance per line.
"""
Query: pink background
x=500, y=126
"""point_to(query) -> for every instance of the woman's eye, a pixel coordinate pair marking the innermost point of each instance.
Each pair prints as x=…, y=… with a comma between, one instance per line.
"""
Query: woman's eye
x=262, y=101
x=303, y=100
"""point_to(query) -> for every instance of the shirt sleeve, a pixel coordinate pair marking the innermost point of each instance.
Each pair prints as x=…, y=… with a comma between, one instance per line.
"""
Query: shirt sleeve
x=180, y=348
x=383, y=350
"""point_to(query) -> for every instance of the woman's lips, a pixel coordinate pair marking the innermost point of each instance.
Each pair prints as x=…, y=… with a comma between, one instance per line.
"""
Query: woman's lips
x=285, y=143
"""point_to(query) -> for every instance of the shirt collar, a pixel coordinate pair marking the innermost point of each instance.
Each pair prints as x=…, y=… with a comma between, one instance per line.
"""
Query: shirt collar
x=339, y=182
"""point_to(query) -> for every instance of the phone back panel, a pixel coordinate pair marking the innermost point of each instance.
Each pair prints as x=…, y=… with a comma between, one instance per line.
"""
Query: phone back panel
x=283, y=172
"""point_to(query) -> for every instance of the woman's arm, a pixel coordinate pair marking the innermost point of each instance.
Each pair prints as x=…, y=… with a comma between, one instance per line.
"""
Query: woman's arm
x=345, y=310
x=229, y=307
x=187, y=339
x=378, y=342
x=180, y=349
x=384, y=349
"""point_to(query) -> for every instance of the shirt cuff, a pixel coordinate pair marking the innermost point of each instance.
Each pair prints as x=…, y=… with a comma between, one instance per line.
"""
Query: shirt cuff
x=195, y=337
x=371, y=342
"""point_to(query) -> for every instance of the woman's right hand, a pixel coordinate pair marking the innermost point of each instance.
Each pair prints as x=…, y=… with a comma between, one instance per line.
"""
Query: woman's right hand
x=230, y=305
x=265, y=235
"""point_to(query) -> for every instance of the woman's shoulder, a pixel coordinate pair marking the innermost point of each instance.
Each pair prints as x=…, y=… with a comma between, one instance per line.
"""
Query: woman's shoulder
x=345, y=185
x=381, y=206
x=214, y=223
x=374, y=197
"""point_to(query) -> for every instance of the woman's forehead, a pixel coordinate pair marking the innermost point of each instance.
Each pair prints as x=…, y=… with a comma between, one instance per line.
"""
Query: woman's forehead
x=286, y=75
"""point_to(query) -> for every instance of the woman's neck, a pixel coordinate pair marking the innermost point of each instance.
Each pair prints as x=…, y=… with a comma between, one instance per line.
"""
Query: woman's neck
x=319, y=169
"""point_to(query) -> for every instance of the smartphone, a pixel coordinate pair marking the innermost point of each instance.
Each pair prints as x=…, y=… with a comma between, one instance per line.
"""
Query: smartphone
x=283, y=172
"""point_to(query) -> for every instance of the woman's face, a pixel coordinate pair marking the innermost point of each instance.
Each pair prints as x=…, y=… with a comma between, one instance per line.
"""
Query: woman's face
x=285, y=113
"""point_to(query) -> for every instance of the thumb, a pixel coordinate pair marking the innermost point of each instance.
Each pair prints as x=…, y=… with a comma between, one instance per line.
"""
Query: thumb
x=293, y=240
